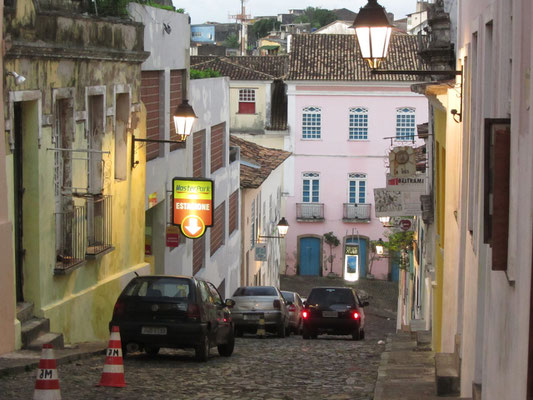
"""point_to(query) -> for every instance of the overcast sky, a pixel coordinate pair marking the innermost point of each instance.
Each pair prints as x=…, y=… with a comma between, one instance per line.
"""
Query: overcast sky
x=219, y=10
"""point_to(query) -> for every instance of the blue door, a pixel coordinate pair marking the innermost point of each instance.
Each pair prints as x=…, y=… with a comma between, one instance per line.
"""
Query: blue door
x=395, y=266
x=310, y=256
x=362, y=253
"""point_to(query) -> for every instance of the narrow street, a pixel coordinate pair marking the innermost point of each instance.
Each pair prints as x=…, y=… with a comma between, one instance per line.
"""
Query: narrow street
x=332, y=367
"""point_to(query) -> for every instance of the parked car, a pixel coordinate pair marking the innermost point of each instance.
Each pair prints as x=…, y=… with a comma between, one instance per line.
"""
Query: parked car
x=294, y=306
x=253, y=302
x=173, y=311
x=335, y=311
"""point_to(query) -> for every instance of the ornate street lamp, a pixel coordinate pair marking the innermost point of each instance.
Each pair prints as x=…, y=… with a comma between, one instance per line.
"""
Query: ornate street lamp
x=184, y=119
x=373, y=31
x=283, y=227
x=379, y=247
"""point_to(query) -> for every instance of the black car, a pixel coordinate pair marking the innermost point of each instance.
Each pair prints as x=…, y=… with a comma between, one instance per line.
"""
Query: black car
x=173, y=311
x=334, y=311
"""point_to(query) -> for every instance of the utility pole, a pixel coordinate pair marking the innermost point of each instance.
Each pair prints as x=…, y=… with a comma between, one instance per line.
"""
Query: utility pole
x=243, y=18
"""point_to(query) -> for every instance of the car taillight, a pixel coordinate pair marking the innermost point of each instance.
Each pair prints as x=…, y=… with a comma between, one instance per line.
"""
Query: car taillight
x=305, y=314
x=119, y=308
x=277, y=304
x=292, y=308
x=355, y=315
x=193, y=311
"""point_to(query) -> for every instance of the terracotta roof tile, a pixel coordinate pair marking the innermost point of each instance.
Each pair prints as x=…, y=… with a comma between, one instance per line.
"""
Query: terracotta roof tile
x=337, y=57
x=265, y=158
x=256, y=68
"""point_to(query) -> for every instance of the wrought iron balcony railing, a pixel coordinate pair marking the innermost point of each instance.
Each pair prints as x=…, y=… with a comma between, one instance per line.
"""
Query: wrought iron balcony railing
x=71, y=236
x=99, y=225
x=356, y=212
x=310, y=211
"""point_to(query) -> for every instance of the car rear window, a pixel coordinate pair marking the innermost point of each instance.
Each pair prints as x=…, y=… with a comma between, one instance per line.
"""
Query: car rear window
x=330, y=296
x=256, y=291
x=160, y=287
x=288, y=296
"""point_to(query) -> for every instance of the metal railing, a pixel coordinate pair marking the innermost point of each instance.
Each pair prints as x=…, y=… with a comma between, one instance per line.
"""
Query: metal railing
x=356, y=212
x=99, y=224
x=72, y=238
x=310, y=211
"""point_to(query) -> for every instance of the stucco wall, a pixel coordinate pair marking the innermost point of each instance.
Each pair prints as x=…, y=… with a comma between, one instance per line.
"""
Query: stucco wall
x=249, y=122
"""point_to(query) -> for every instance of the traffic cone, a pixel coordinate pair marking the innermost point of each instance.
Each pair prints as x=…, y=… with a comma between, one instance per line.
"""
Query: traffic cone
x=47, y=383
x=261, y=327
x=113, y=374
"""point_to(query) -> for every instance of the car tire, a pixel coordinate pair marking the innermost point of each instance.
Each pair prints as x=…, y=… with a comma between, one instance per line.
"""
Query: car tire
x=356, y=334
x=288, y=331
x=202, y=350
x=362, y=333
x=226, y=349
x=238, y=332
x=151, y=350
x=305, y=333
x=281, y=330
x=124, y=346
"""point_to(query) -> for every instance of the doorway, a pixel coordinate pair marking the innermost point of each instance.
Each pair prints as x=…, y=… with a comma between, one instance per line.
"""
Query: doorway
x=18, y=189
x=310, y=256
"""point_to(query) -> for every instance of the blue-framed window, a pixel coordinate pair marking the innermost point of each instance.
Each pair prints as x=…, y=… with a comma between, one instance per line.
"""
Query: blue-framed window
x=357, y=188
x=311, y=187
x=311, y=123
x=358, y=129
x=405, y=123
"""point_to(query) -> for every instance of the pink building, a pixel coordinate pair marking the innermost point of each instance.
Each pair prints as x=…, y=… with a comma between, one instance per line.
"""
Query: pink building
x=343, y=122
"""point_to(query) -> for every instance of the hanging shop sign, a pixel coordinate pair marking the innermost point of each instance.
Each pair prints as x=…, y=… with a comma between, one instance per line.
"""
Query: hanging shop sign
x=402, y=161
x=192, y=205
x=260, y=252
x=351, y=263
x=173, y=236
x=392, y=203
x=413, y=183
x=152, y=200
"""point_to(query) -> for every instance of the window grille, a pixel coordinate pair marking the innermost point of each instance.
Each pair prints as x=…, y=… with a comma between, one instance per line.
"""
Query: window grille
x=405, y=123
x=311, y=123
x=358, y=126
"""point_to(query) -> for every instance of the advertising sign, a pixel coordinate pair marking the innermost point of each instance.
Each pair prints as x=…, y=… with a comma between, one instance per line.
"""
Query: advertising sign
x=413, y=183
x=173, y=236
x=192, y=205
x=351, y=263
x=260, y=252
x=402, y=161
x=392, y=203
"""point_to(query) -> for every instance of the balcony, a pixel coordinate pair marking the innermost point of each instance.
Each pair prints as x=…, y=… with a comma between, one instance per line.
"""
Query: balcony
x=99, y=225
x=310, y=212
x=356, y=212
x=71, y=234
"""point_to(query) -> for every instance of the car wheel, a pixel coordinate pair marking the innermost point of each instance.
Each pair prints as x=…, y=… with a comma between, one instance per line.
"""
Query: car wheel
x=202, y=350
x=124, y=349
x=151, y=350
x=356, y=334
x=281, y=330
x=225, y=350
x=314, y=336
x=288, y=331
x=362, y=333
x=305, y=333
x=238, y=332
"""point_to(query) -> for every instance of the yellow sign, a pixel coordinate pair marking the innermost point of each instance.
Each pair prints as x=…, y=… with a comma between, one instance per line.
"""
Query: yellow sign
x=192, y=205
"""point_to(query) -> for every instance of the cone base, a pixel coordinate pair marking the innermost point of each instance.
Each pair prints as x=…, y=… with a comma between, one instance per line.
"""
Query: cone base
x=112, y=381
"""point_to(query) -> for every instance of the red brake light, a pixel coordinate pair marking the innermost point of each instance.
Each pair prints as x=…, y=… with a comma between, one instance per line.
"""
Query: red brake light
x=305, y=314
x=355, y=315
x=292, y=308
x=193, y=311
x=277, y=304
x=119, y=308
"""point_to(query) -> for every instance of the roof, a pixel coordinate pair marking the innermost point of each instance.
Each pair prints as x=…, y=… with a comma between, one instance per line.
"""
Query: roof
x=337, y=57
x=266, y=158
x=257, y=68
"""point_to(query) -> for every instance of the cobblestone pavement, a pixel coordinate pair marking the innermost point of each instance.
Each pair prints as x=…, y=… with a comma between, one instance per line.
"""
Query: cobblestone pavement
x=331, y=367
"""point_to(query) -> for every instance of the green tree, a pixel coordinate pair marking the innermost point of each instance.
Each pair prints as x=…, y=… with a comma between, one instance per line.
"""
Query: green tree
x=399, y=244
x=262, y=28
x=317, y=17
x=332, y=241
x=232, y=41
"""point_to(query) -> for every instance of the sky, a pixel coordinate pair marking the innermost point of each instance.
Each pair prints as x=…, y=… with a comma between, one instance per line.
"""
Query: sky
x=201, y=11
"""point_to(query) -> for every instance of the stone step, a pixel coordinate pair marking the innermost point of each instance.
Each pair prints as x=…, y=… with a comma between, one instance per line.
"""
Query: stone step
x=24, y=311
x=34, y=328
x=55, y=339
x=447, y=375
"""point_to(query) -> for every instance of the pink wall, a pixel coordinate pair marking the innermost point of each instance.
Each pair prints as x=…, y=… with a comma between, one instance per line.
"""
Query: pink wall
x=334, y=157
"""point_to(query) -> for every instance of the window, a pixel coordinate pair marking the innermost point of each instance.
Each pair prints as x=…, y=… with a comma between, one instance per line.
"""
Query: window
x=151, y=97
x=218, y=229
x=198, y=251
x=198, y=154
x=218, y=146
x=405, y=123
x=358, y=129
x=176, y=98
x=311, y=185
x=246, y=101
x=311, y=123
x=233, y=211
x=357, y=189
x=122, y=115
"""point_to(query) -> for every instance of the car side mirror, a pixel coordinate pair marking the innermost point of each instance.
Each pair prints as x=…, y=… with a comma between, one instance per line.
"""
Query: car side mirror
x=229, y=303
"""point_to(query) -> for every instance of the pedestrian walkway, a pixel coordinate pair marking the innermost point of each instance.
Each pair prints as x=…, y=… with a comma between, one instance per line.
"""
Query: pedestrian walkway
x=407, y=368
x=25, y=360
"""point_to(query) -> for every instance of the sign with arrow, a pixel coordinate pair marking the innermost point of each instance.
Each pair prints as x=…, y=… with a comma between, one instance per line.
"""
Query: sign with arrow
x=192, y=207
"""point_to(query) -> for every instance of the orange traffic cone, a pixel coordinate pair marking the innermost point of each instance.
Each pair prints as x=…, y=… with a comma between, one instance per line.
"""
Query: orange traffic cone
x=47, y=383
x=113, y=374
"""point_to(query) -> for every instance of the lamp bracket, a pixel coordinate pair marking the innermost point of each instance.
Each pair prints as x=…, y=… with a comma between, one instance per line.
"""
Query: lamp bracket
x=270, y=237
x=134, y=139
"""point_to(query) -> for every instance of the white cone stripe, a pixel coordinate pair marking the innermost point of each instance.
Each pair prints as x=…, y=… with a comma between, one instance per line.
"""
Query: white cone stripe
x=113, y=369
x=44, y=374
x=53, y=394
x=48, y=354
x=115, y=336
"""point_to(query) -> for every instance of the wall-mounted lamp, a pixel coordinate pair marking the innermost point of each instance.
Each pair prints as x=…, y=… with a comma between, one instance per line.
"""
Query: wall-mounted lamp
x=380, y=247
x=283, y=228
x=19, y=79
x=184, y=119
x=373, y=32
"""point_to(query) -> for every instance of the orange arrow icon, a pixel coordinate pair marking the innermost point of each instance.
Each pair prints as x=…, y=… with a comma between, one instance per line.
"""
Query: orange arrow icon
x=193, y=226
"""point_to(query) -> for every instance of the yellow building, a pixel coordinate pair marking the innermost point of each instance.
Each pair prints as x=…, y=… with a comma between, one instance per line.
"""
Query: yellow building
x=76, y=203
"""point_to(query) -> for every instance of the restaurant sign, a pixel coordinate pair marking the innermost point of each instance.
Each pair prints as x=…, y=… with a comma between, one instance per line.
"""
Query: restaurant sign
x=392, y=203
x=192, y=205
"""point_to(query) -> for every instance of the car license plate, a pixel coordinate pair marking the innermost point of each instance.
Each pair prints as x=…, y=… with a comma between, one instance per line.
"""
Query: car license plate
x=329, y=314
x=154, y=330
x=251, y=317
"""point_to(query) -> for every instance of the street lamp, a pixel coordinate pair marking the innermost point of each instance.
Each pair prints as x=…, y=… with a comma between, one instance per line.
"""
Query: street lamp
x=184, y=119
x=384, y=220
x=379, y=247
x=283, y=227
x=373, y=31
